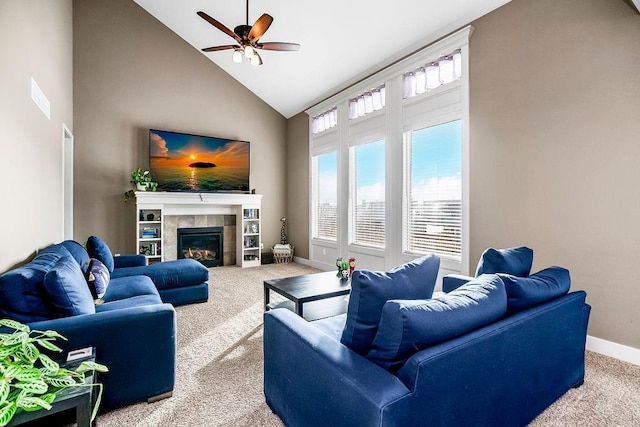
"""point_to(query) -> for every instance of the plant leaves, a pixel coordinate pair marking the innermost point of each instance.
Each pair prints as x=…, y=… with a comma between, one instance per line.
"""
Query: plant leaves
x=16, y=338
x=4, y=391
x=52, y=334
x=48, y=363
x=6, y=413
x=8, y=350
x=37, y=387
x=49, y=345
x=29, y=352
x=49, y=397
x=32, y=403
x=88, y=365
x=61, y=382
x=28, y=374
x=14, y=325
x=10, y=370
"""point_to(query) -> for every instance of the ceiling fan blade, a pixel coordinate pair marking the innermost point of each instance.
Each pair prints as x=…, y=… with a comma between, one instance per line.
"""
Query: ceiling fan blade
x=260, y=27
x=216, y=48
x=278, y=46
x=219, y=26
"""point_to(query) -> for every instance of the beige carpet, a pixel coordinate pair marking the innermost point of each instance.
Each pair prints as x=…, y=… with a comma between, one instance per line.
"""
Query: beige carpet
x=219, y=372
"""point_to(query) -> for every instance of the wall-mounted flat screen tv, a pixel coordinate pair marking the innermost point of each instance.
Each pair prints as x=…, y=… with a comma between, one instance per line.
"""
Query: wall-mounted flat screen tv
x=185, y=162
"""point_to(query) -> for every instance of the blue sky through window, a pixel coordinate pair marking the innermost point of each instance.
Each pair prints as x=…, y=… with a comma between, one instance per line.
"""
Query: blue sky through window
x=436, y=162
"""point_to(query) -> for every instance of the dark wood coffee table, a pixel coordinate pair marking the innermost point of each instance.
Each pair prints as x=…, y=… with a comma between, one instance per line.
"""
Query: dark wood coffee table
x=300, y=290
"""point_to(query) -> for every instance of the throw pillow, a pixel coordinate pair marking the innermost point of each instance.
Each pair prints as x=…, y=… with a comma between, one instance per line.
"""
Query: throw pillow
x=515, y=261
x=67, y=290
x=410, y=326
x=370, y=290
x=98, y=279
x=99, y=250
x=545, y=285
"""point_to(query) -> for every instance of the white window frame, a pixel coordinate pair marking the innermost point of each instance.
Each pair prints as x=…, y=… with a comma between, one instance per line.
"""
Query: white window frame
x=391, y=121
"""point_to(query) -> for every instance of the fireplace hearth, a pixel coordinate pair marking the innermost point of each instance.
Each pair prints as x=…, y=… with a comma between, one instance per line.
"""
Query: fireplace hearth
x=204, y=244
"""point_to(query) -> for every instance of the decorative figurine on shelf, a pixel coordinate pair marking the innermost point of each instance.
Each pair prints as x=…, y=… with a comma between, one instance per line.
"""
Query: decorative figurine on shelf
x=339, y=265
x=344, y=270
x=352, y=265
x=283, y=231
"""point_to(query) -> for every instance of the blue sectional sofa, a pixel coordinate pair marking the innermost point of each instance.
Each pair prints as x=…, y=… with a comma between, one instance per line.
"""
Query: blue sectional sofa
x=132, y=329
x=494, y=351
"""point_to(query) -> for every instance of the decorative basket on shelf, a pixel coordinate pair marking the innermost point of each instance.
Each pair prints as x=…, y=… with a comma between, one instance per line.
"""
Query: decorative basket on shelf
x=282, y=253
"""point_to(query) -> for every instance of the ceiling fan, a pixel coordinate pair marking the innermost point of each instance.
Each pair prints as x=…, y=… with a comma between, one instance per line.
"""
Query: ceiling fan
x=248, y=37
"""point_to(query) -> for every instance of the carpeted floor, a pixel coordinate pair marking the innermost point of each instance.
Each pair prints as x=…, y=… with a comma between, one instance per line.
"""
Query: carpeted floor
x=219, y=372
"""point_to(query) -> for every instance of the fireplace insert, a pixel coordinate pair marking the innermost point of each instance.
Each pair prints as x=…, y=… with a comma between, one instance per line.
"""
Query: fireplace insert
x=204, y=244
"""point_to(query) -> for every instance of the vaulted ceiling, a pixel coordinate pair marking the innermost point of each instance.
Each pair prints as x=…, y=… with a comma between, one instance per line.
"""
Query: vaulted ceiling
x=341, y=41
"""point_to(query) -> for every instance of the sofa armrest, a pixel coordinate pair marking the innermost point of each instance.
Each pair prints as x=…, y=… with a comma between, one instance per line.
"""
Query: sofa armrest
x=454, y=281
x=122, y=261
x=311, y=379
x=137, y=344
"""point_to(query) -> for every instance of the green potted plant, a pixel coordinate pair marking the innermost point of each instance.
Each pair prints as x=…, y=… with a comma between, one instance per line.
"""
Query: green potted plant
x=142, y=181
x=29, y=379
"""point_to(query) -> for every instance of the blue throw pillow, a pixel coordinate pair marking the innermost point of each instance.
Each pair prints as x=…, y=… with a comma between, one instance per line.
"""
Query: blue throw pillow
x=68, y=292
x=78, y=252
x=515, y=261
x=370, y=290
x=545, y=285
x=98, y=249
x=98, y=279
x=410, y=326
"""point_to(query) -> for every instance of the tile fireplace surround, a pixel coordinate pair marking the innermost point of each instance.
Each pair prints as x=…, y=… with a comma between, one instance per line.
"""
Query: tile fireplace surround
x=185, y=210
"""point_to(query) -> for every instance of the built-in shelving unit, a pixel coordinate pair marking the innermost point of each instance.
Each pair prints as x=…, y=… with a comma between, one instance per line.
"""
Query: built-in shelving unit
x=149, y=233
x=251, y=242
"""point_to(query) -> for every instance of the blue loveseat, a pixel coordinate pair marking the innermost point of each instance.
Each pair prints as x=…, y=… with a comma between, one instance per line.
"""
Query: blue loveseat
x=494, y=351
x=131, y=328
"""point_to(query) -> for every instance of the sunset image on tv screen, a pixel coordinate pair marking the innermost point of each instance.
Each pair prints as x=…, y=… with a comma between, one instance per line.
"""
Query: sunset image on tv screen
x=183, y=162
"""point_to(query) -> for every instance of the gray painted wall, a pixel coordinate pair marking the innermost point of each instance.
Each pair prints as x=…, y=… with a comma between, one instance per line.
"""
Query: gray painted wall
x=555, y=102
x=554, y=106
x=131, y=74
x=298, y=183
x=35, y=41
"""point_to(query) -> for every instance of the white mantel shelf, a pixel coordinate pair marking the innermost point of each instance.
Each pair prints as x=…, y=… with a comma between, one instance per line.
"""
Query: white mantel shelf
x=187, y=198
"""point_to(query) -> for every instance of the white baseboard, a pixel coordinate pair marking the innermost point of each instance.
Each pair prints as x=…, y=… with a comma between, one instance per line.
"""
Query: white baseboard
x=314, y=264
x=612, y=349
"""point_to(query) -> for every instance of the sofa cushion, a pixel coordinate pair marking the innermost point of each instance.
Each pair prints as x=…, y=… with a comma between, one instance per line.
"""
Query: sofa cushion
x=370, y=290
x=515, y=261
x=409, y=326
x=127, y=287
x=545, y=285
x=68, y=292
x=169, y=274
x=97, y=276
x=97, y=248
x=136, y=301
x=78, y=252
x=22, y=293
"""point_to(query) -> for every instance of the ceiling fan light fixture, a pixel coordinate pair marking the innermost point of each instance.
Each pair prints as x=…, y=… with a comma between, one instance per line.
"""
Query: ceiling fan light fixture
x=237, y=56
x=256, y=60
x=249, y=52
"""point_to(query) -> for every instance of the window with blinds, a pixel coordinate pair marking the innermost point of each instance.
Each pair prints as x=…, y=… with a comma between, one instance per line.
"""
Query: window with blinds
x=368, y=194
x=325, y=184
x=433, y=187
